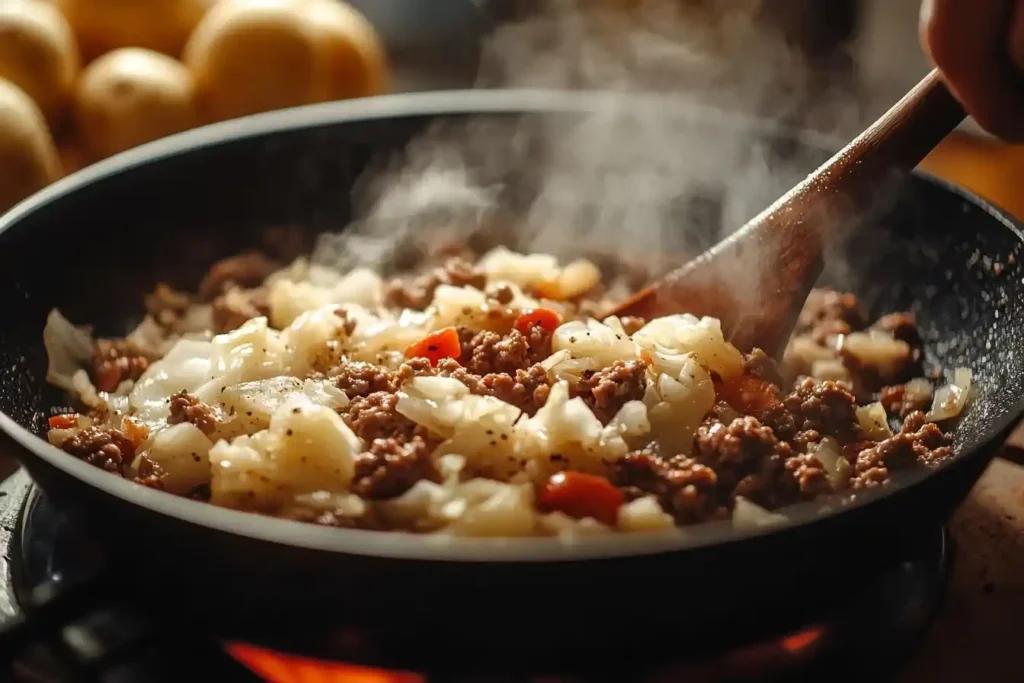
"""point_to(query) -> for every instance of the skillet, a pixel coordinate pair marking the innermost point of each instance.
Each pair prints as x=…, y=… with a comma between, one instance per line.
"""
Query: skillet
x=93, y=243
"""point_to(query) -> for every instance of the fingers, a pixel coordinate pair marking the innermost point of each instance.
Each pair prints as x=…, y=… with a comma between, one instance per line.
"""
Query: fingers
x=969, y=43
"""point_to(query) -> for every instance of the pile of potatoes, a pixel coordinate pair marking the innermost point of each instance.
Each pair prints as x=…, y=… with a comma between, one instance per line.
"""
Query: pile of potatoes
x=81, y=80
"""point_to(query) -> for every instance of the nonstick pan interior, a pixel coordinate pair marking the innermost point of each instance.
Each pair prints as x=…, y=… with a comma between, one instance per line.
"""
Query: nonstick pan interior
x=93, y=244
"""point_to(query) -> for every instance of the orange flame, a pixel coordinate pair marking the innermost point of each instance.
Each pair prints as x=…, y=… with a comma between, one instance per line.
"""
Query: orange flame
x=796, y=643
x=278, y=668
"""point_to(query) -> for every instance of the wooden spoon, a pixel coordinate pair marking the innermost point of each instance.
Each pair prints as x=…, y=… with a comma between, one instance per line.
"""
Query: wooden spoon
x=757, y=280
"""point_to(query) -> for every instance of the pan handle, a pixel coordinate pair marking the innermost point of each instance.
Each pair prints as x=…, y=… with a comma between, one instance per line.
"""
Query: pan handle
x=49, y=608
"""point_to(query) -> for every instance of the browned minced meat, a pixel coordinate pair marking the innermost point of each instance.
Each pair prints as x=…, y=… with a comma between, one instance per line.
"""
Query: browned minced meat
x=503, y=295
x=245, y=271
x=237, y=306
x=897, y=401
x=186, y=407
x=108, y=448
x=751, y=462
x=739, y=458
x=685, y=489
x=485, y=353
x=150, y=475
x=824, y=407
x=114, y=361
x=358, y=379
x=608, y=389
x=375, y=416
x=917, y=442
x=527, y=389
x=391, y=467
x=417, y=293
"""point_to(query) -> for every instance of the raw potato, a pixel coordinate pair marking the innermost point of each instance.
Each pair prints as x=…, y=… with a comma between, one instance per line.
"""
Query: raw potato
x=357, y=61
x=132, y=96
x=250, y=57
x=28, y=156
x=38, y=52
x=161, y=25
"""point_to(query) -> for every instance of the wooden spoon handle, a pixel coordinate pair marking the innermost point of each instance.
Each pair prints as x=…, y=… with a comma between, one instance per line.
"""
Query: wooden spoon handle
x=899, y=140
x=757, y=278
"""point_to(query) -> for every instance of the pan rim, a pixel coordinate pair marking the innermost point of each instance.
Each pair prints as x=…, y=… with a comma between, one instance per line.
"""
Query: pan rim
x=401, y=546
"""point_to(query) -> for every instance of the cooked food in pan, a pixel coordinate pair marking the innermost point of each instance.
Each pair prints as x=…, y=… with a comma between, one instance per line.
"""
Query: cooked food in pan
x=478, y=397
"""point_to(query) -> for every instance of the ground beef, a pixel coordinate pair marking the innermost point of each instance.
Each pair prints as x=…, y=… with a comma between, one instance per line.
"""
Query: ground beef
x=751, y=462
x=897, y=401
x=358, y=379
x=245, y=271
x=486, y=352
x=114, y=361
x=492, y=353
x=503, y=295
x=917, y=442
x=150, y=474
x=187, y=408
x=608, y=389
x=390, y=467
x=418, y=292
x=825, y=407
x=741, y=442
x=685, y=488
x=526, y=389
x=760, y=365
x=237, y=306
x=375, y=416
x=104, y=447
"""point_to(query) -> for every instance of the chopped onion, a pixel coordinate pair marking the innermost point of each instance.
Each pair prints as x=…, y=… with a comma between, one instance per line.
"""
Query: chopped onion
x=68, y=349
x=950, y=400
x=748, y=515
x=836, y=466
x=830, y=369
x=919, y=390
x=874, y=422
x=876, y=350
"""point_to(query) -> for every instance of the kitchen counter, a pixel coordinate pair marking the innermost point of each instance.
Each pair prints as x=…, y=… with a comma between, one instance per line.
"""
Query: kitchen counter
x=976, y=634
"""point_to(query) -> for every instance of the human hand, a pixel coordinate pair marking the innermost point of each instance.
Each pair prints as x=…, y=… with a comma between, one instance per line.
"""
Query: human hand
x=979, y=49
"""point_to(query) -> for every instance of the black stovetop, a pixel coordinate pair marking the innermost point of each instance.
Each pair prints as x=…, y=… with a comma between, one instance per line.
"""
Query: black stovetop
x=118, y=642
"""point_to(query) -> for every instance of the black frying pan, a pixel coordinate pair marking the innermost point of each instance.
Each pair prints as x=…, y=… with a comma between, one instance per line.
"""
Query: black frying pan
x=93, y=243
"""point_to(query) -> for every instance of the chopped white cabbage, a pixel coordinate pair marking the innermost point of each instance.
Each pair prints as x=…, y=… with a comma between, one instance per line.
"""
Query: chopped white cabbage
x=644, y=514
x=950, y=400
x=748, y=515
x=873, y=421
x=182, y=450
x=669, y=338
x=68, y=349
x=185, y=367
x=676, y=406
x=594, y=341
x=307, y=448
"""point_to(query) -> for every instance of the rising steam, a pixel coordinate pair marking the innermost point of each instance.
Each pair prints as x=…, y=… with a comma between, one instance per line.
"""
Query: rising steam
x=638, y=175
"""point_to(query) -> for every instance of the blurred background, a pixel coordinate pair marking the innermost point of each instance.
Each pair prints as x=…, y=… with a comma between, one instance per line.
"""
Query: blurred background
x=81, y=80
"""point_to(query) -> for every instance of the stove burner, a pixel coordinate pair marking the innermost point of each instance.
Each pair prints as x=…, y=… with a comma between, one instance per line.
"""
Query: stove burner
x=868, y=641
